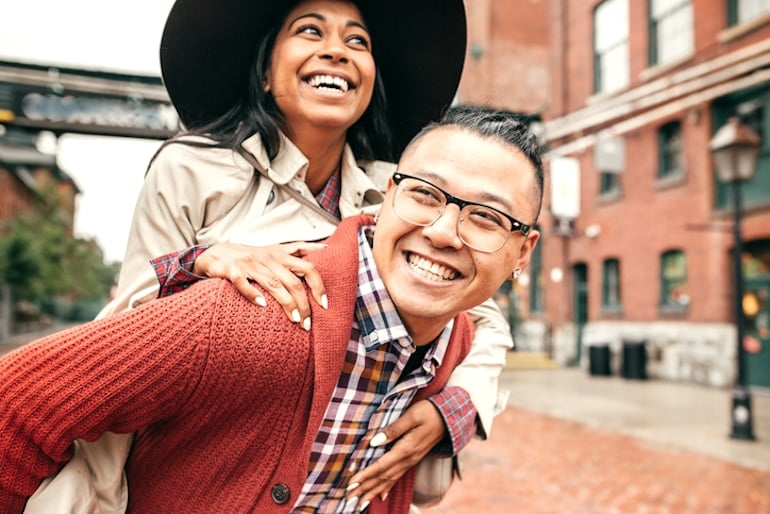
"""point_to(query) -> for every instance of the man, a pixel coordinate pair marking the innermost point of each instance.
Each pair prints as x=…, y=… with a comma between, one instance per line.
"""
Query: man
x=244, y=411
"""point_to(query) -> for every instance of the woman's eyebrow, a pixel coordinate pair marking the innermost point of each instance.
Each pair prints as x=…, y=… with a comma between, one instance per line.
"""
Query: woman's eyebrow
x=317, y=16
x=321, y=17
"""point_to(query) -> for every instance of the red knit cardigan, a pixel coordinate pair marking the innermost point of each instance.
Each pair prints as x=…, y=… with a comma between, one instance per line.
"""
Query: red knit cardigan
x=226, y=396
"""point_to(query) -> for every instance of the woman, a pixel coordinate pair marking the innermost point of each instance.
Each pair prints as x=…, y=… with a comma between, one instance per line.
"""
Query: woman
x=281, y=101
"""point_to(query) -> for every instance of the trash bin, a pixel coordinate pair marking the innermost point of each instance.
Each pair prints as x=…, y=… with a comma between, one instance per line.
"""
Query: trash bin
x=634, y=360
x=599, y=360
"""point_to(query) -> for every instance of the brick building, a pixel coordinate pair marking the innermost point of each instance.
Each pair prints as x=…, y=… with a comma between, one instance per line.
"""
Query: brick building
x=26, y=174
x=641, y=247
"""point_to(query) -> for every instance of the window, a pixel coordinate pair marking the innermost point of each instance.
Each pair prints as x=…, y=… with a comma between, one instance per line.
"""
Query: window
x=609, y=183
x=671, y=30
x=536, y=280
x=673, y=268
x=611, y=46
x=611, y=285
x=670, y=150
x=741, y=11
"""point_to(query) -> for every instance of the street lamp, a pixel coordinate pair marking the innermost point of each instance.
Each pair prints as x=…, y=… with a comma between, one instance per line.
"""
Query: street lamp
x=735, y=148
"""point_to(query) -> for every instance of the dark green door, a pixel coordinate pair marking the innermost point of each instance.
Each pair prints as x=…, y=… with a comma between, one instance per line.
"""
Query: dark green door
x=580, y=305
x=756, y=307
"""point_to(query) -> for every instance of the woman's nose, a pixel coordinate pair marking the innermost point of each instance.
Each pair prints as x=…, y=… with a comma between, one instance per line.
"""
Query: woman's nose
x=334, y=49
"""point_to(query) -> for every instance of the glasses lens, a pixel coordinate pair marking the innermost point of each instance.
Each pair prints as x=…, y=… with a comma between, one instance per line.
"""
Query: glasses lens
x=418, y=202
x=483, y=228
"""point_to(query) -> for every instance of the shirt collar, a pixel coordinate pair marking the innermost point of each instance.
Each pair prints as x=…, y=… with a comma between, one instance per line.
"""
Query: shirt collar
x=376, y=315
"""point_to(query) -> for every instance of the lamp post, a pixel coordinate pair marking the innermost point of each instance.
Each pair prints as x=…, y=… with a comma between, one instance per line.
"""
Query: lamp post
x=735, y=148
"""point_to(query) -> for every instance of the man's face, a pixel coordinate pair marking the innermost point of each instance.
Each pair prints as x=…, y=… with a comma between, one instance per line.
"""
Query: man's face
x=430, y=274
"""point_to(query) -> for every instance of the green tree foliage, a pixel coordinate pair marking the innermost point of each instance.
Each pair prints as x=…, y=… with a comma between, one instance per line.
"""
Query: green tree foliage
x=43, y=263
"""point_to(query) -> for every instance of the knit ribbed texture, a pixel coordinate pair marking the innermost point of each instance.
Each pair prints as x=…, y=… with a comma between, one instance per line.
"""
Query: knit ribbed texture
x=225, y=396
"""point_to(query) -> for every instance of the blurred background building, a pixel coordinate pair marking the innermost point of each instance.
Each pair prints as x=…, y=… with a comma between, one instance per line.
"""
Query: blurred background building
x=636, y=231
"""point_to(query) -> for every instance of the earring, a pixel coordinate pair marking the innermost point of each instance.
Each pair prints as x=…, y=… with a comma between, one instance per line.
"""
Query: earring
x=516, y=273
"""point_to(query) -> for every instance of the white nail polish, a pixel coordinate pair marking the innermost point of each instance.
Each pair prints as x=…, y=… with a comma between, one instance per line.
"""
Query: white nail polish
x=384, y=496
x=378, y=439
x=306, y=324
x=259, y=300
x=352, y=486
x=363, y=506
x=324, y=301
x=295, y=316
x=351, y=503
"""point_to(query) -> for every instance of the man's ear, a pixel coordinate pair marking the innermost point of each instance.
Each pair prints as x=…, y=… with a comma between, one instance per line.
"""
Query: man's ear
x=527, y=247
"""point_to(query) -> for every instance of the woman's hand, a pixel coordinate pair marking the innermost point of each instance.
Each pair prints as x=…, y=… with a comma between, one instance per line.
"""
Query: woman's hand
x=279, y=269
x=415, y=433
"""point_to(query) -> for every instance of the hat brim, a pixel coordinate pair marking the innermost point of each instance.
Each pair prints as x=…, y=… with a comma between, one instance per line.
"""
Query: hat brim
x=419, y=48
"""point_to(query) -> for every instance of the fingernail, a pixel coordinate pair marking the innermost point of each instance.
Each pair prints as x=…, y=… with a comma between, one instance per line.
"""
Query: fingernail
x=353, y=467
x=378, y=439
x=295, y=316
x=260, y=300
x=352, y=486
x=306, y=324
x=324, y=301
x=363, y=506
x=384, y=496
x=351, y=503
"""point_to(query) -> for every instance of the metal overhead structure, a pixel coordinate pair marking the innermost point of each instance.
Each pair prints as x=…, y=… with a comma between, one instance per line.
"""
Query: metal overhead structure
x=59, y=99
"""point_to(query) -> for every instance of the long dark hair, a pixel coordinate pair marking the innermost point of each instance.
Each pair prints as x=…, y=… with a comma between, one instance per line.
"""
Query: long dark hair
x=370, y=137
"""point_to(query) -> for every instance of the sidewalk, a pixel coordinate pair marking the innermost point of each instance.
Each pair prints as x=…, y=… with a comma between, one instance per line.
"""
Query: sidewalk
x=681, y=415
x=570, y=443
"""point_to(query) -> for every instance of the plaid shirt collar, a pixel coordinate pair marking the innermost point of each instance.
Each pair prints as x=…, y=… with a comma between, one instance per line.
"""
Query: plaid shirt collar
x=329, y=196
x=376, y=315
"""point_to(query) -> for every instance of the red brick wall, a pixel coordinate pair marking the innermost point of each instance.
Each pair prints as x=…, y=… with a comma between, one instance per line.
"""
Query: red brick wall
x=511, y=69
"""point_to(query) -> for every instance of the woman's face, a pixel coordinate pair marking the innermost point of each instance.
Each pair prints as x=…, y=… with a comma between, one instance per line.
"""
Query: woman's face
x=322, y=71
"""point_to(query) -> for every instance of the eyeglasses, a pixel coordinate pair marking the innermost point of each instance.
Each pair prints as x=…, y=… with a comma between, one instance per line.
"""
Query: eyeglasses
x=479, y=226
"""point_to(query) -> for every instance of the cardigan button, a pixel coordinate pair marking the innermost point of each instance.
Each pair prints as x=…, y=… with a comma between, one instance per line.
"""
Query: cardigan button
x=280, y=493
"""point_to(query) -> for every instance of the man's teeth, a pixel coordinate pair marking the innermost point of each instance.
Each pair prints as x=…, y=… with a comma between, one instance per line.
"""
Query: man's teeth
x=329, y=82
x=432, y=268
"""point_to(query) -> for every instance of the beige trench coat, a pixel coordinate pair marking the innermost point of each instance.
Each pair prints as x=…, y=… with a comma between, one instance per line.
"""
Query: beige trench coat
x=194, y=195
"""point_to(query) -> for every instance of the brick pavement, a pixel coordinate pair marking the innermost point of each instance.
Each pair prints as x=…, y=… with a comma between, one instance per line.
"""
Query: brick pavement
x=538, y=464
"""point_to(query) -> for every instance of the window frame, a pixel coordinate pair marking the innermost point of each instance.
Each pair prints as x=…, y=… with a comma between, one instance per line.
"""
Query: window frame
x=609, y=184
x=654, y=32
x=622, y=43
x=734, y=15
x=667, y=154
x=669, y=284
x=612, y=300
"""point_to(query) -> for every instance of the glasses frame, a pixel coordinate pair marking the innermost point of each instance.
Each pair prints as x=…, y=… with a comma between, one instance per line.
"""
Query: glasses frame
x=516, y=225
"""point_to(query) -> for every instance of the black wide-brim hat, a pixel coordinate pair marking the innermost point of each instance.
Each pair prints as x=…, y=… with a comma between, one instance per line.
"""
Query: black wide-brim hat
x=419, y=46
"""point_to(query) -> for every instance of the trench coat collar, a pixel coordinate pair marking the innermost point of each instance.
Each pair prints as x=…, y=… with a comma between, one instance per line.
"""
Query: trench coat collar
x=291, y=163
